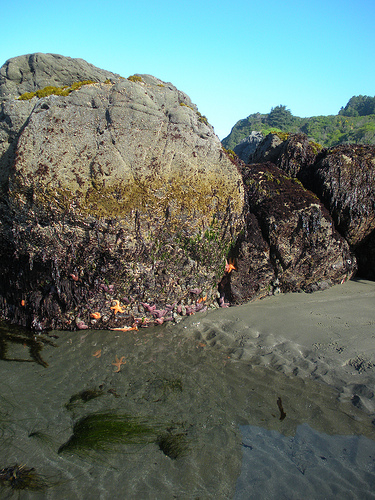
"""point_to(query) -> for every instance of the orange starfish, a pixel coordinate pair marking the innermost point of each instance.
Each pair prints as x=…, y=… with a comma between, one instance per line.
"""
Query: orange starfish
x=125, y=328
x=229, y=266
x=95, y=315
x=202, y=299
x=118, y=363
x=97, y=354
x=117, y=308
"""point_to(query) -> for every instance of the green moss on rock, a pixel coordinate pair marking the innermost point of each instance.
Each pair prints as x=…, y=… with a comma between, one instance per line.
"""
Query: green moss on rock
x=135, y=78
x=51, y=90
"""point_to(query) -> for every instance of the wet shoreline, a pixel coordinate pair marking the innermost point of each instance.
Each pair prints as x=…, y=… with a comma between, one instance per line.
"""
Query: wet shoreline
x=197, y=384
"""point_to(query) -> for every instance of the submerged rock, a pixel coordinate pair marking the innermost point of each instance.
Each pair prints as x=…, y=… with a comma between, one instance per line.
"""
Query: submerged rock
x=120, y=190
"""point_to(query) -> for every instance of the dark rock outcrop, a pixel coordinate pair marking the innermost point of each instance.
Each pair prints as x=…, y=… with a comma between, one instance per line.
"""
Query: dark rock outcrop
x=290, y=152
x=118, y=191
x=300, y=251
x=343, y=177
x=248, y=145
x=267, y=150
x=254, y=275
x=365, y=253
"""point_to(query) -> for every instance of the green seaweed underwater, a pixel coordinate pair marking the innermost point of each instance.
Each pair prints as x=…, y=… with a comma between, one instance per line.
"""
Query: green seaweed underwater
x=108, y=431
x=20, y=477
x=105, y=431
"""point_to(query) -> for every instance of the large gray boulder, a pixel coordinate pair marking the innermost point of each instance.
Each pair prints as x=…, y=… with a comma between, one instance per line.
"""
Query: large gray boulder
x=119, y=191
x=29, y=73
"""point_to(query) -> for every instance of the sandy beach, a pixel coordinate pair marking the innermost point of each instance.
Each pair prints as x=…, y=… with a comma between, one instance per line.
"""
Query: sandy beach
x=327, y=336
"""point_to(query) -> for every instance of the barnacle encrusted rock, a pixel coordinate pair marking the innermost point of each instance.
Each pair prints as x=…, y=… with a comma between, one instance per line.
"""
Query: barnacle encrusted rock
x=120, y=190
x=292, y=239
x=344, y=179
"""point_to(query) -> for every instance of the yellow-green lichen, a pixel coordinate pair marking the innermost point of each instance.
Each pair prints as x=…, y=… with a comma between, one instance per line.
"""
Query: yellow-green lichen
x=316, y=147
x=135, y=78
x=283, y=136
x=50, y=90
x=121, y=198
x=231, y=154
x=201, y=118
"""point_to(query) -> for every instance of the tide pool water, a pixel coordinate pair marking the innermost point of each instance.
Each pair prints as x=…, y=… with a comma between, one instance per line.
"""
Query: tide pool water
x=162, y=414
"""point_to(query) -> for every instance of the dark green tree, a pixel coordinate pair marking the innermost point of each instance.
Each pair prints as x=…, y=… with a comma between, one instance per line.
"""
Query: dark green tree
x=280, y=117
x=360, y=105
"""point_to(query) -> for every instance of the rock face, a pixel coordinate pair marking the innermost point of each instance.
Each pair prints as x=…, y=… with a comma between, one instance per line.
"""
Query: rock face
x=365, y=253
x=292, y=153
x=248, y=145
x=293, y=242
x=119, y=206
x=344, y=179
x=119, y=191
x=254, y=275
x=31, y=72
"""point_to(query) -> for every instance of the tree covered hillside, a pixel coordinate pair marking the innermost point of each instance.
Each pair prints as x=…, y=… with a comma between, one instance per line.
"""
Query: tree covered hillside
x=353, y=124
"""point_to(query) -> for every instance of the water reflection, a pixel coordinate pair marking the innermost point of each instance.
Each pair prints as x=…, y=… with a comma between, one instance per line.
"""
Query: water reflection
x=309, y=464
x=190, y=396
x=13, y=338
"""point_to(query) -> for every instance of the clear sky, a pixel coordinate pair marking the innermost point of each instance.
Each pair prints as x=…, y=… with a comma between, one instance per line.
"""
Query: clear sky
x=232, y=58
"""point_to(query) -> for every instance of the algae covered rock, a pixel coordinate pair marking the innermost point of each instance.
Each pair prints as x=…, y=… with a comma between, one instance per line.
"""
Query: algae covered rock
x=119, y=191
x=293, y=242
x=290, y=152
x=344, y=179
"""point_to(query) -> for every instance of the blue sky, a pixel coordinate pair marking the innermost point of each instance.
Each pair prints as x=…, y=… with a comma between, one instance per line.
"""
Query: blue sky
x=231, y=58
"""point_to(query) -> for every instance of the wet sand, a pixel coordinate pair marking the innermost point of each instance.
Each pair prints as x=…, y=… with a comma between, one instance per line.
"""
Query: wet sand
x=327, y=336
x=223, y=380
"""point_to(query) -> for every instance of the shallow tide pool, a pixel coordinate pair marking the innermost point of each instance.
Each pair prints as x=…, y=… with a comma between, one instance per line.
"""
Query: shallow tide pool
x=161, y=413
